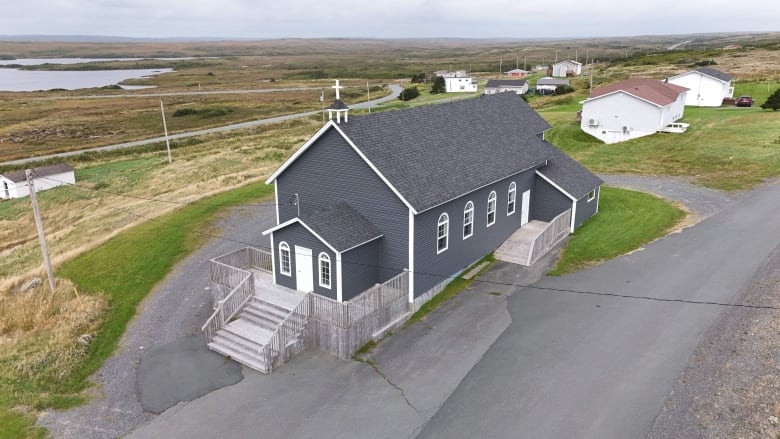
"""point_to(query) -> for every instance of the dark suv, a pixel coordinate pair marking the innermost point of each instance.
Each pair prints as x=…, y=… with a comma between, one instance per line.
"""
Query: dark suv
x=745, y=101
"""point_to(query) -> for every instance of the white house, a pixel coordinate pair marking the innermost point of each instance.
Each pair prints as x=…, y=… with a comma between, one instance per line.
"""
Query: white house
x=519, y=86
x=707, y=87
x=633, y=108
x=459, y=84
x=14, y=184
x=567, y=68
x=548, y=85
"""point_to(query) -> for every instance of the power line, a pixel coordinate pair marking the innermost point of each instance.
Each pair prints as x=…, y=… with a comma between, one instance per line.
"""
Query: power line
x=483, y=281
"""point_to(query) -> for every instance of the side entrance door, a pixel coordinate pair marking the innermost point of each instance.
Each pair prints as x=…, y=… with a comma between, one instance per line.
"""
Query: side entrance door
x=524, y=207
x=304, y=275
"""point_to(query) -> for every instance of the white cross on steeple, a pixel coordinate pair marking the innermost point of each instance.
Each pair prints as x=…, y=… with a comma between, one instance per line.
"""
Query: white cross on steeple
x=337, y=87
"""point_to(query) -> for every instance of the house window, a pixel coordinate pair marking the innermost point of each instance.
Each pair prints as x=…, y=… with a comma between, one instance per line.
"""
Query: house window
x=491, y=209
x=324, y=270
x=443, y=231
x=284, y=258
x=511, y=197
x=468, y=220
x=591, y=195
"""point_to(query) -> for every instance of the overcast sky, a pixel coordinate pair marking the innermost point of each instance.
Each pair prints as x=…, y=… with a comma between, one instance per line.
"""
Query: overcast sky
x=384, y=18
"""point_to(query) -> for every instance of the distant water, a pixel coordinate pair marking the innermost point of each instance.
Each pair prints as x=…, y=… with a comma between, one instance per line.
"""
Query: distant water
x=39, y=61
x=33, y=80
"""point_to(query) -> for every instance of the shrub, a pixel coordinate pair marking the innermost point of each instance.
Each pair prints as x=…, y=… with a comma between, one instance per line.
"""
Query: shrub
x=419, y=78
x=409, y=93
x=438, y=85
x=563, y=89
x=184, y=112
x=772, y=102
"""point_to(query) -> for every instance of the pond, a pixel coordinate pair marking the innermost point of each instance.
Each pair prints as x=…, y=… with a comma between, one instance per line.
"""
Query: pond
x=36, y=80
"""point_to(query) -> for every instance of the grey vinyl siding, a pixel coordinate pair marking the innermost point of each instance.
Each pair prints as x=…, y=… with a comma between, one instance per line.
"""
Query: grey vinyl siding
x=329, y=172
x=432, y=268
x=296, y=234
x=586, y=209
x=357, y=269
x=549, y=202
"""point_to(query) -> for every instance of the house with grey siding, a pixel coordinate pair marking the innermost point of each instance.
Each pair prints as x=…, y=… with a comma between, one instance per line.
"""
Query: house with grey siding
x=428, y=191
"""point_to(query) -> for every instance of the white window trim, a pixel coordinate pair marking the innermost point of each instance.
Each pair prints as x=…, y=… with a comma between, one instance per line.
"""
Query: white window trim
x=445, y=220
x=469, y=208
x=511, y=199
x=591, y=195
x=325, y=257
x=494, y=198
x=283, y=246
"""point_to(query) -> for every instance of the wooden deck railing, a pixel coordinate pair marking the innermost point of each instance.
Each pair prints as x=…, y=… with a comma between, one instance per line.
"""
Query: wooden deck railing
x=275, y=351
x=555, y=231
x=376, y=298
x=229, y=306
x=229, y=274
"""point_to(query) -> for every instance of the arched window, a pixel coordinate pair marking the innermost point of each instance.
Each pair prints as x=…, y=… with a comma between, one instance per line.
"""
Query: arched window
x=491, y=209
x=442, y=233
x=511, y=198
x=468, y=220
x=284, y=258
x=324, y=270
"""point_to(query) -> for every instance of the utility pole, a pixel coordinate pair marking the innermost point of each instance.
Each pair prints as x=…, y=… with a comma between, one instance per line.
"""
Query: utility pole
x=39, y=226
x=368, y=91
x=165, y=127
x=322, y=104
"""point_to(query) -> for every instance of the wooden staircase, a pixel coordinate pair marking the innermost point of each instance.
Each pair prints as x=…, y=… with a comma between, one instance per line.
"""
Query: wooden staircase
x=245, y=339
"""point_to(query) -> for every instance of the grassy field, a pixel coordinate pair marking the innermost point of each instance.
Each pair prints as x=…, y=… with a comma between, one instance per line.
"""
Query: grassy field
x=630, y=219
x=118, y=193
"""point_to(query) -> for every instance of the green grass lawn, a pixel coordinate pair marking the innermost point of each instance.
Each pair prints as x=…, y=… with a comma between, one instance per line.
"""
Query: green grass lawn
x=124, y=269
x=725, y=148
x=626, y=221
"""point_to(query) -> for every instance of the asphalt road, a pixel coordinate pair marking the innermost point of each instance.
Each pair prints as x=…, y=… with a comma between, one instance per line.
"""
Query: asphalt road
x=396, y=90
x=600, y=366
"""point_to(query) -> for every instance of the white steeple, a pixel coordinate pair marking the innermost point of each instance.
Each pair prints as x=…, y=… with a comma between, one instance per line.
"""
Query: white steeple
x=337, y=106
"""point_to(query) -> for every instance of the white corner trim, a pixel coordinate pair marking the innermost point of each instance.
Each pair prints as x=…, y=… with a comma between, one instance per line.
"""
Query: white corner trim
x=573, y=214
x=279, y=226
x=339, y=293
x=276, y=201
x=273, y=259
x=411, y=256
x=555, y=185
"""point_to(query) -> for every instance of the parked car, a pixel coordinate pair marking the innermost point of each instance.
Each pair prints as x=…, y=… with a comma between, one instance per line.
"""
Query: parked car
x=744, y=101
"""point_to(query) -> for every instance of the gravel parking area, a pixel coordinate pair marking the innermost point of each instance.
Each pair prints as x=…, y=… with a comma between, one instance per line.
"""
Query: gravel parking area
x=174, y=310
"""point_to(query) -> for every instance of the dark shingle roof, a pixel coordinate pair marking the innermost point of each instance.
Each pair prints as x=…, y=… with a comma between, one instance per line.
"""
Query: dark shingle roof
x=552, y=81
x=717, y=74
x=436, y=153
x=569, y=175
x=19, y=176
x=341, y=226
x=505, y=83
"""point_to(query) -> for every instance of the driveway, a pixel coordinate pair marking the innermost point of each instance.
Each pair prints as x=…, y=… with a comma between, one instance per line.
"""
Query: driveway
x=582, y=360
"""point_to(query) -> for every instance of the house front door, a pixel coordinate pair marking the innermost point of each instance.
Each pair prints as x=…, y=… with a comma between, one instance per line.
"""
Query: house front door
x=524, y=207
x=304, y=271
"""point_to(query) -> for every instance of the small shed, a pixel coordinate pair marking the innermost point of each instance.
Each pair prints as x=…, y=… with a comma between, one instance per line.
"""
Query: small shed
x=14, y=184
x=519, y=86
x=548, y=85
x=567, y=68
x=517, y=73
